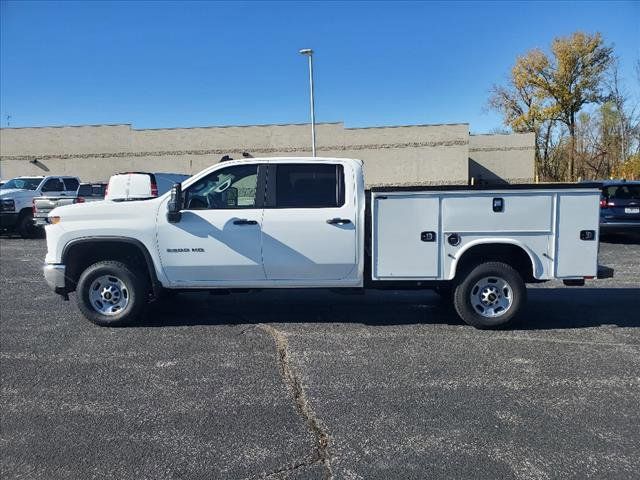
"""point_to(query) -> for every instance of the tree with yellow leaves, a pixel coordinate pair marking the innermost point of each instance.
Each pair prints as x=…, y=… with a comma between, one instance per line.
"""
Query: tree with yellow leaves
x=545, y=89
x=630, y=169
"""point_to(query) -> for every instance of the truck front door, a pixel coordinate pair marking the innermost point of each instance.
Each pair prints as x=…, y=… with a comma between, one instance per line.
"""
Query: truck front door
x=309, y=225
x=218, y=238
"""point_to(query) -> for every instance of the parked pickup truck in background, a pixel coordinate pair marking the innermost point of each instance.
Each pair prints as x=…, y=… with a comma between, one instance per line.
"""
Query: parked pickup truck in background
x=309, y=223
x=87, y=192
x=16, y=200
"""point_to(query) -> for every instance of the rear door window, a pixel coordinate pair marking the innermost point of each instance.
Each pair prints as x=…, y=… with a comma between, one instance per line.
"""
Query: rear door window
x=623, y=192
x=309, y=186
x=85, y=191
x=53, y=185
x=89, y=190
x=71, y=184
x=98, y=190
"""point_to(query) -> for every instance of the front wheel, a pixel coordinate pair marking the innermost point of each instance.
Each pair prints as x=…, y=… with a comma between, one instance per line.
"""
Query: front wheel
x=490, y=295
x=25, y=226
x=109, y=293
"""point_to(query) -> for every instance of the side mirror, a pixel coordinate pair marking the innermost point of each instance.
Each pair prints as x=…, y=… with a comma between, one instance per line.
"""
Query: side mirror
x=174, y=206
x=230, y=196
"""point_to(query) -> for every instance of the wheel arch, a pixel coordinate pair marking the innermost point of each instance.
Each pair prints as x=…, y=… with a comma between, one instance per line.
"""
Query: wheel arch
x=25, y=211
x=80, y=253
x=509, y=251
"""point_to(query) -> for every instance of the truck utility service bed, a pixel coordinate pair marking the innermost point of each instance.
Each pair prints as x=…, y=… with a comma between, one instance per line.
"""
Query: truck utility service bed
x=421, y=233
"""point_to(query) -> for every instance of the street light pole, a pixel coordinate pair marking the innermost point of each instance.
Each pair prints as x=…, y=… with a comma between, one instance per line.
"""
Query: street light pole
x=309, y=53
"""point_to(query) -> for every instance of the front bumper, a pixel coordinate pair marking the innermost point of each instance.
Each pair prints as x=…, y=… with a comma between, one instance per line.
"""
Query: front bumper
x=8, y=219
x=54, y=274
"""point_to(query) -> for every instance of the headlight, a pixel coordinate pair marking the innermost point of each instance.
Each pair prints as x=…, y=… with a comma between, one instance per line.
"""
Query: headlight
x=53, y=220
x=7, y=205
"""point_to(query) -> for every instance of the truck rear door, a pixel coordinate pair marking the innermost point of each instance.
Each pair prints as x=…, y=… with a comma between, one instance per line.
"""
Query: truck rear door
x=71, y=186
x=309, y=223
x=53, y=187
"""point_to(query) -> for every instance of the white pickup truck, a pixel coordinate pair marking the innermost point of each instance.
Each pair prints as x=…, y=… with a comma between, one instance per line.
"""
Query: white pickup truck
x=16, y=200
x=309, y=223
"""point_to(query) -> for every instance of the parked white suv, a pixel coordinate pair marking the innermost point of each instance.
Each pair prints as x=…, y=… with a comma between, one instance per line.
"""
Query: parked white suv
x=309, y=223
x=16, y=199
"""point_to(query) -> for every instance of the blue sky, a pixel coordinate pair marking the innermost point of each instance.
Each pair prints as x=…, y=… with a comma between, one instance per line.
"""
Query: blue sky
x=165, y=64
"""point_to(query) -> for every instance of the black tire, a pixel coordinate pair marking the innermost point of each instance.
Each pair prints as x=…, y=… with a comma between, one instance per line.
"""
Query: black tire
x=25, y=226
x=470, y=312
x=136, y=287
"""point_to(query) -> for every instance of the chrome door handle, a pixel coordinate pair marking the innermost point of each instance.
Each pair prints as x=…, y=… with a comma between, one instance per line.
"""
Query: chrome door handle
x=338, y=221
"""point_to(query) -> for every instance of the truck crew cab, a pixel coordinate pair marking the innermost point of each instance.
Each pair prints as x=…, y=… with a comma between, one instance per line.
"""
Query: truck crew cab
x=309, y=223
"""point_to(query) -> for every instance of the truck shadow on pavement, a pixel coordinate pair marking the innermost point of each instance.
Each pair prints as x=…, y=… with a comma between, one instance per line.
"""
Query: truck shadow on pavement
x=547, y=308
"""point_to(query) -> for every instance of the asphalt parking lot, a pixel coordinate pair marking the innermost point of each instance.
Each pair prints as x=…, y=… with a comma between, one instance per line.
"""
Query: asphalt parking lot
x=319, y=385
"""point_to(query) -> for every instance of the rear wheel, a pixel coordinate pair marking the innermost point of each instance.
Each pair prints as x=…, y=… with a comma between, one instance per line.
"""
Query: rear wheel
x=490, y=295
x=110, y=293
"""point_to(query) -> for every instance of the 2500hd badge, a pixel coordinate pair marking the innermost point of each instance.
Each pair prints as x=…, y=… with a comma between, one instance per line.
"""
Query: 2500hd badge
x=185, y=250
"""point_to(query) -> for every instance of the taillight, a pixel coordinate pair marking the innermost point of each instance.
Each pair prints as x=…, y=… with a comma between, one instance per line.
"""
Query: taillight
x=603, y=203
x=79, y=200
x=154, y=190
x=106, y=190
x=33, y=206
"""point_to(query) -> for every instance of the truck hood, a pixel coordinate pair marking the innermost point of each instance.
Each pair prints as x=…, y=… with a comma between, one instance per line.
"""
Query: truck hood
x=106, y=210
x=16, y=192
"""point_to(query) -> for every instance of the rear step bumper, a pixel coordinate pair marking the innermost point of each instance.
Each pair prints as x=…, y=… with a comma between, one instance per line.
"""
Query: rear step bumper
x=603, y=272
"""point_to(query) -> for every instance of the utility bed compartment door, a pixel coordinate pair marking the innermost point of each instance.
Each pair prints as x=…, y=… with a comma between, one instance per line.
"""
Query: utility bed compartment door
x=575, y=256
x=520, y=212
x=406, y=237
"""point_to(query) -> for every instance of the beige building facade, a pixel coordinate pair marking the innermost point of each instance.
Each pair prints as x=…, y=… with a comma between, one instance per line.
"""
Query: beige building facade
x=400, y=155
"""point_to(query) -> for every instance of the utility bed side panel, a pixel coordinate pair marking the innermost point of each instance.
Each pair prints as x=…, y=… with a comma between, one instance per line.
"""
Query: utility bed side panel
x=521, y=212
x=577, y=212
x=524, y=219
x=546, y=224
x=537, y=246
x=399, y=249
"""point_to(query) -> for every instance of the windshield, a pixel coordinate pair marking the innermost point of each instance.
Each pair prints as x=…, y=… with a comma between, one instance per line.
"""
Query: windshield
x=22, y=184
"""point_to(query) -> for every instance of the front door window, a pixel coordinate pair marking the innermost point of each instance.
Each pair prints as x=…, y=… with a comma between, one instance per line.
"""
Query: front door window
x=230, y=188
